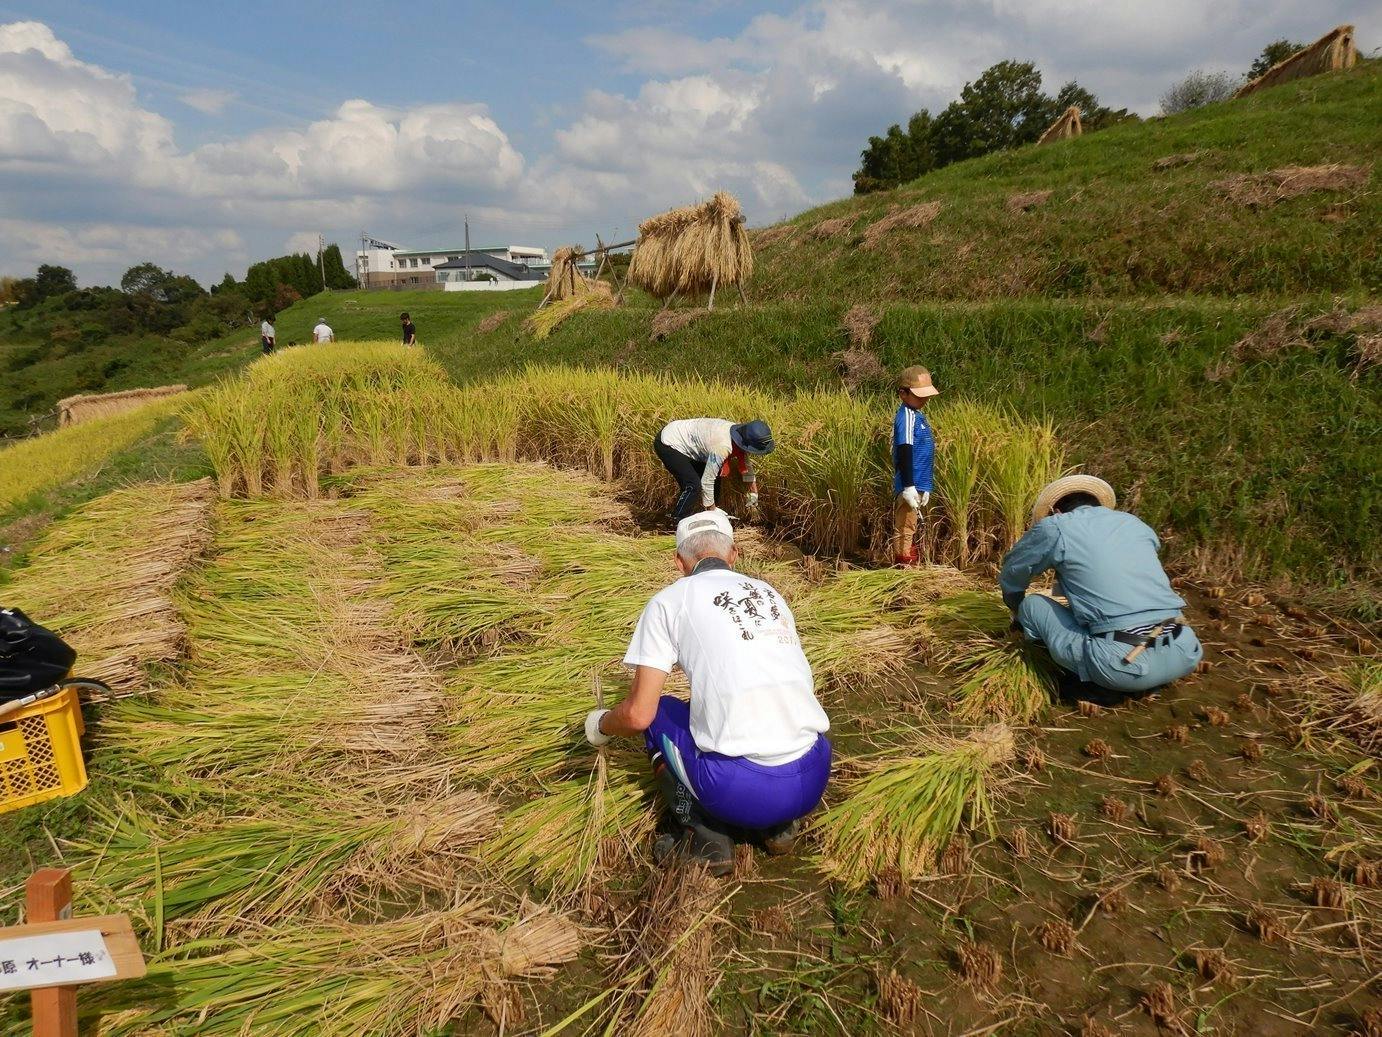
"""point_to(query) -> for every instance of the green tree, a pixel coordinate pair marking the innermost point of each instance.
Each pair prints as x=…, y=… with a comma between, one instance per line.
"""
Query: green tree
x=1277, y=50
x=897, y=157
x=1003, y=108
x=52, y=280
x=337, y=277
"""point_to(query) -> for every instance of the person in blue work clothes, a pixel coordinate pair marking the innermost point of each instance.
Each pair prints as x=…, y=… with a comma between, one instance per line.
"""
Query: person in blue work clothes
x=914, y=453
x=1123, y=631
x=747, y=756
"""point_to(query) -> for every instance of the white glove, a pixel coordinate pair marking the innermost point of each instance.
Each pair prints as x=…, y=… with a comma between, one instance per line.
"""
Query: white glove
x=593, y=734
x=751, y=498
x=925, y=497
x=912, y=498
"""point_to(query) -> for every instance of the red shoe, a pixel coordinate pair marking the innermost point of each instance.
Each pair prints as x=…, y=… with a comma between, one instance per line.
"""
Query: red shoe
x=905, y=561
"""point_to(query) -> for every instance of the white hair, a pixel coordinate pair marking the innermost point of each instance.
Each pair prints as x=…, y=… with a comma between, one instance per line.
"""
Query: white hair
x=708, y=543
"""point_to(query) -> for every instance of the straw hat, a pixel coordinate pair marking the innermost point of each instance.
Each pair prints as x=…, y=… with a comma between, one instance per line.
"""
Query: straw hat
x=1054, y=491
x=918, y=379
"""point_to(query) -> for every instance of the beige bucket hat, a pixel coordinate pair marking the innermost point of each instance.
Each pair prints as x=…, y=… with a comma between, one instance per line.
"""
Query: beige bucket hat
x=918, y=379
x=1054, y=491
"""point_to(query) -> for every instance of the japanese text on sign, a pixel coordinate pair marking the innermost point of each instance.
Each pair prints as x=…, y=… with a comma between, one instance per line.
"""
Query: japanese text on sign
x=54, y=959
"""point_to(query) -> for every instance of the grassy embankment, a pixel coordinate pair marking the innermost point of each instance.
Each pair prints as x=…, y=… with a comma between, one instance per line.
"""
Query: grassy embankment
x=1115, y=224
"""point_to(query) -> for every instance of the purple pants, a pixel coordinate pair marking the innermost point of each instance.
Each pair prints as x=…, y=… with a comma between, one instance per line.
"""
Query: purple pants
x=729, y=788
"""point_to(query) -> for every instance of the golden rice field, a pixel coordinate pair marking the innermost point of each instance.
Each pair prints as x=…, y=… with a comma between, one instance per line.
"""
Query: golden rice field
x=303, y=414
x=34, y=465
x=345, y=790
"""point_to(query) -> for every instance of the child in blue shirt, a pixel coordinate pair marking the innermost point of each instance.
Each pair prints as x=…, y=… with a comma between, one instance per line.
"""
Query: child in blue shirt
x=914, y=453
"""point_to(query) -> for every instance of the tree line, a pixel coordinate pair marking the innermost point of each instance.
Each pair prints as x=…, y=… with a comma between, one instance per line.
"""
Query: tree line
x=51, y=308
x=1005, y=107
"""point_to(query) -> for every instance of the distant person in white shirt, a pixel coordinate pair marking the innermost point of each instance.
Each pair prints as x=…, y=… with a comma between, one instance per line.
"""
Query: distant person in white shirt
x=322, y=332
x=267, y=339
x=748, y=755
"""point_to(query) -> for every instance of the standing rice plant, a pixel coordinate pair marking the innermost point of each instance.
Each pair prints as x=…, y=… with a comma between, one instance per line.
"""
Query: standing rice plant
x=37, y=464
x=1024, y=460
x=833, y=471
x=906, y=803
x=966, y=432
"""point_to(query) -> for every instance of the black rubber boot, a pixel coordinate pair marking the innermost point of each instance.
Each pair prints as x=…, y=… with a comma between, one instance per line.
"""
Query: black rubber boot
x=781, y=839
x=697, y=838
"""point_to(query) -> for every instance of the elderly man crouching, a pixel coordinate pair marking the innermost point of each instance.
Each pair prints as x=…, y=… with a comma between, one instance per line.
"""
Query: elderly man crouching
x=749, y=752
x=1123, y=630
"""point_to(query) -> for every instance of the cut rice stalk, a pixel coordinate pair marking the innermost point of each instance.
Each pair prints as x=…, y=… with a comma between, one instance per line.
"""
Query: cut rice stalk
x=905, y=805
x=1004, y=681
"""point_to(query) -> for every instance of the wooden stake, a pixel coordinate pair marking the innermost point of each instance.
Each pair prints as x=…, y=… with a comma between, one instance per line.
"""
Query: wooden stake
x=742, y=297
x=713, y=281
x=48, y=898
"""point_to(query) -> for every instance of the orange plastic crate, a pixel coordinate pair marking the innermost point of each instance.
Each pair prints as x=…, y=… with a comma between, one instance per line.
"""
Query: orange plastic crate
x=41, y=752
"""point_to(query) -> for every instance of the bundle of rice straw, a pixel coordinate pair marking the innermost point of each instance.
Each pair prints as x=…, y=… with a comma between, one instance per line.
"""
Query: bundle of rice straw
x=103, y=578
x=588, y=295
x=1332, y=51
x=564, y=279
x=73, y=410
x=1067, y=126
x=693, y=249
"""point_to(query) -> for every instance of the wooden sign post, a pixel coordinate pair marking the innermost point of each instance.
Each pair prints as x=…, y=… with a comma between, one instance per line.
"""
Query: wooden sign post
x=53, y=953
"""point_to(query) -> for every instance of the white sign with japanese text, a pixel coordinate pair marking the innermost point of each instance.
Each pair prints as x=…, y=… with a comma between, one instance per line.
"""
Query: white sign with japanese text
x=54, y=959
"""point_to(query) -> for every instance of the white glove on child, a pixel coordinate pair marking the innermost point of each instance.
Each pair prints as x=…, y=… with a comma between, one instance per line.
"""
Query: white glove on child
x=593, y=734
x=912, y=498
x=751, y=498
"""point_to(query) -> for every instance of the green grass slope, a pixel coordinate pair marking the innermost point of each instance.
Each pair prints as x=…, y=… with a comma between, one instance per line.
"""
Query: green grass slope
x=1115, y=224
x=1255, y=466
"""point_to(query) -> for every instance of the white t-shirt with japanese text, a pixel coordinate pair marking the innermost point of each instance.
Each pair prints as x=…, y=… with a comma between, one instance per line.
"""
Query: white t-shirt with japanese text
x=752, y=693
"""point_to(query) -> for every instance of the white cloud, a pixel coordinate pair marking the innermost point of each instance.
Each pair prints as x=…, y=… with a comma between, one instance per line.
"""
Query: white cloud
x=775, y=112
x=30, y=242
x=209, y=102
x=302, y=241
x=74, y=137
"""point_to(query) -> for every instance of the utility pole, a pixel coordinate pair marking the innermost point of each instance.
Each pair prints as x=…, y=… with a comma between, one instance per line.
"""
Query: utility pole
x=467, y=246
x=321, y=258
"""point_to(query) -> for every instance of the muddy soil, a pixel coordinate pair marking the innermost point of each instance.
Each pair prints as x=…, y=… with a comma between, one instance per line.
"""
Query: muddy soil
x=1233, y=882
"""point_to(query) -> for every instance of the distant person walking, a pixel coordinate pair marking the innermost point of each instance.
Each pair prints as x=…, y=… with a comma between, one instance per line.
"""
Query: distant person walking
x=322, y=332
x=267, y=339
x=914, y=452
x=699, y=452
x=409, y=331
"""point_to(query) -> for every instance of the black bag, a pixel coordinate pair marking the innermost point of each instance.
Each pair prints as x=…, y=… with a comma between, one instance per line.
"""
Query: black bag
x=31, y=657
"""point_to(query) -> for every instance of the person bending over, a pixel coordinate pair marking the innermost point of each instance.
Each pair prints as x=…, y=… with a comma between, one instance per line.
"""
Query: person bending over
x=700, y=451
x=748, y=756
x=1122, y=631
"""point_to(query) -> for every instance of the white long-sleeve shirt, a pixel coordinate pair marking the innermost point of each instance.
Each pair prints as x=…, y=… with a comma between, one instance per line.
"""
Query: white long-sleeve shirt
x=707, y=442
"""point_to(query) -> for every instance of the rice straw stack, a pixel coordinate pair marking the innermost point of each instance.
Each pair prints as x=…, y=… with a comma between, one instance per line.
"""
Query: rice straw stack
x=688, y=250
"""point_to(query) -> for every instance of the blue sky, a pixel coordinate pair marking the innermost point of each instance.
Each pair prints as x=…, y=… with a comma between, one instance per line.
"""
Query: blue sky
x=206, y=136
